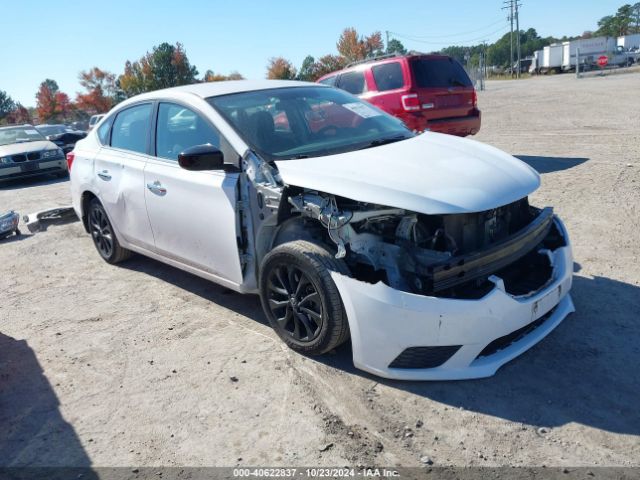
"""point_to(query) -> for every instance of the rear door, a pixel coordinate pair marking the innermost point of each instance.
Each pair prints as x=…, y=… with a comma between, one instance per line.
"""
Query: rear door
x=443, y=87
x=119, y=173
x=192, y=213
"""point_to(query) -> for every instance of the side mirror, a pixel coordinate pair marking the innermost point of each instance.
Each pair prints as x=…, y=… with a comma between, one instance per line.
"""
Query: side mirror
x=201, y=157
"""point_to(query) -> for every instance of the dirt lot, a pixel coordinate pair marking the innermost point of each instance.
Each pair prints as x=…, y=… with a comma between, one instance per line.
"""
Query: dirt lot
x=143, y=364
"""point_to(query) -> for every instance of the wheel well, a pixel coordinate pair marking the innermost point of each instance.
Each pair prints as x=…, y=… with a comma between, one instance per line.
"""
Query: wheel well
x=84, y=203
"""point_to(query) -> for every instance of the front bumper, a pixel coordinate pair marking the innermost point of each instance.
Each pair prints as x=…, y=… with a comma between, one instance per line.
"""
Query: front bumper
x=31, y=168
x=489, y=332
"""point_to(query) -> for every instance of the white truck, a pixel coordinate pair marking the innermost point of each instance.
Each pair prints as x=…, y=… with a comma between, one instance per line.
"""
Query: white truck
x=629, y=42
x=551, y=58
x=589, y=50
x=536, y=63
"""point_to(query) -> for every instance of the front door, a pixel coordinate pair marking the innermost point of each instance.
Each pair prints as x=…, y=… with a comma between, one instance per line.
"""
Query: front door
x=192, y=214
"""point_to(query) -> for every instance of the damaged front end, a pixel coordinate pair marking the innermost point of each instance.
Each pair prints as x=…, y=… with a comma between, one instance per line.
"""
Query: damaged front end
x=449, y=256
x=445, y=296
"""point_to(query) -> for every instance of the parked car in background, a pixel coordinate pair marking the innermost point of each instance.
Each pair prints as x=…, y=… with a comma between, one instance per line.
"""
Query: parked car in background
x=25, y=152
x=94, y=120
x=423, y=249
x=426, y=92
x=62, y=135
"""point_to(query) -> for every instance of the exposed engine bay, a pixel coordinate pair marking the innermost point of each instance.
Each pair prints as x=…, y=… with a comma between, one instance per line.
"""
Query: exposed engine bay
x=451, y=256
x=443, y=255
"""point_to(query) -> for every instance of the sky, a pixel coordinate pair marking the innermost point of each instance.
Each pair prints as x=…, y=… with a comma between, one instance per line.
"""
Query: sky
x=45, y=39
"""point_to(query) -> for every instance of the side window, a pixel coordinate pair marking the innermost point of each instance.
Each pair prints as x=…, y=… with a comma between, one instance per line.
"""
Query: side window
x=352, y=82
x=180, y=128
x=388, y=76
x=131, y=128
x=329, y=80
x=103, y=131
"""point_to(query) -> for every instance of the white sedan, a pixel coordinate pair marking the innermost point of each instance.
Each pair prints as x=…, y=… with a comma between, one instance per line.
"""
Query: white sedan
x=423, y=250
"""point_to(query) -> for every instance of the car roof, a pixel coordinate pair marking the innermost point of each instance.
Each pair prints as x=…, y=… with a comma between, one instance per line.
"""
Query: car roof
x=214, y=89
x=369, y=62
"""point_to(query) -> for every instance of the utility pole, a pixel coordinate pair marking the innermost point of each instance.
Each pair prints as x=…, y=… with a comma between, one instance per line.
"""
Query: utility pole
x=512, y=6
x=515, y=2
x=387, y=33
x=508, y=4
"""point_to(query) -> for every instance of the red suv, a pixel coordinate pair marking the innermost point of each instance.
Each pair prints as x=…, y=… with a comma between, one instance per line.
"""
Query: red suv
x=426, y=92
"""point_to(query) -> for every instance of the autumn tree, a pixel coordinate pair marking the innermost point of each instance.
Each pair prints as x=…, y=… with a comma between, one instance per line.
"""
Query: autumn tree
x=7, y=105
x=165, y=66
x=354, y=47
x=280, y=69
x=19, y=115
x=46, y=99
x=329, y=63
x=101, y=90
x=211, y=76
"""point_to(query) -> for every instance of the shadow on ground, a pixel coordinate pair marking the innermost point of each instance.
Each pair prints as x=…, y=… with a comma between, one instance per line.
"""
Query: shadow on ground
x=551, y=164
x=38, y=181
x=33, y=432
x=247, y=305
x=586, y=371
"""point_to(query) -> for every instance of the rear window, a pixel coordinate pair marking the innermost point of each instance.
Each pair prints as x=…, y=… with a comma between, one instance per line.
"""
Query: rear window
x=388, y=76
x=352, y=82
x=439, y=72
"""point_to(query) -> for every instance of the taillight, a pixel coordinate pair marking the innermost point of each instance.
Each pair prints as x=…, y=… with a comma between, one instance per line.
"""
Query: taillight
x=410, y=102
x=474, y=98
x=70, y=157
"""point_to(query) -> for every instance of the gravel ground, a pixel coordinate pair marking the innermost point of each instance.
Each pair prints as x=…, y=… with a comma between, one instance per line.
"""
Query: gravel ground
x=145, y=365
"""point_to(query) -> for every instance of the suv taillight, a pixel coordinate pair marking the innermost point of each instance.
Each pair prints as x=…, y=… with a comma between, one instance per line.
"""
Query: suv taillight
x=70, y=157
x=474, y=98
x=410, y=102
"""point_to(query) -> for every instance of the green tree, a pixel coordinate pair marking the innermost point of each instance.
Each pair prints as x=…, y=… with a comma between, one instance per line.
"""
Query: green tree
x=165, y=66
x=7, y=105
x=308, y=70
x=622, y=23
x=396, y=46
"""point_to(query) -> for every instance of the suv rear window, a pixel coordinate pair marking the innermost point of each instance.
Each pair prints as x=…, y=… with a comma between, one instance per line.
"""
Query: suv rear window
x=388, y=76
x=439, y=72
x=352, y=82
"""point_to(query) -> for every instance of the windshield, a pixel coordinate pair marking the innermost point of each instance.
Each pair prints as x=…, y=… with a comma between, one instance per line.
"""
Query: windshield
x=51, y=129
x=300, y=122
x=19, y=135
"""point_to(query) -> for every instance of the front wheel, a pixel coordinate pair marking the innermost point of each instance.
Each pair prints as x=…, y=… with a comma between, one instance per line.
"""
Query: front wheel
x=104, y=238
x=301, y=300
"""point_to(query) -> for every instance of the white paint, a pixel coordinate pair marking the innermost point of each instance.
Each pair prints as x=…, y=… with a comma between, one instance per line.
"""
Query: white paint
x=432, y=173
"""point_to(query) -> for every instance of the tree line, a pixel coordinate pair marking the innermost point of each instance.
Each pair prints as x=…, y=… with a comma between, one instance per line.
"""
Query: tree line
x=167, y=65
x=164, y=66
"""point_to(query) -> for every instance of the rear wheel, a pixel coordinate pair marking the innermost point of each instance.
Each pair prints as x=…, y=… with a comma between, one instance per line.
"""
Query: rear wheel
x=301, y=300
x=103, y=235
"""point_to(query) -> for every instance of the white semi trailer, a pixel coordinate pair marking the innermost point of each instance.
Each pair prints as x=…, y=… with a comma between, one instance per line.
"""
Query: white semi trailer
x=629, y=42
x=590, y=50
x=551, y=58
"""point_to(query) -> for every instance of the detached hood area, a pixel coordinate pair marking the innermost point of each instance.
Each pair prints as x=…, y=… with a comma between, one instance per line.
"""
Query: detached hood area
x=432, y=173
x=26, y=147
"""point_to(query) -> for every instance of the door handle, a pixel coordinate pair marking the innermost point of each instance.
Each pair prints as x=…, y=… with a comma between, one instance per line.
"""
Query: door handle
x=104, y=175
x=157, y=188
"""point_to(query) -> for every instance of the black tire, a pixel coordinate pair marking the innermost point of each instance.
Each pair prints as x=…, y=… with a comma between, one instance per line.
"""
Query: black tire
x=104, y=238
x=301, y=300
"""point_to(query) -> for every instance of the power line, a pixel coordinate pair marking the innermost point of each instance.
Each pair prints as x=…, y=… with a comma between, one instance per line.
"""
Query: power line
x=416, y=39
x=453, y=34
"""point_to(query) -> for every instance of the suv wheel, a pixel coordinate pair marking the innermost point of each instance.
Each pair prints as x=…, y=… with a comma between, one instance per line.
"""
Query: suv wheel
x=103, y=235
x=301, y=300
